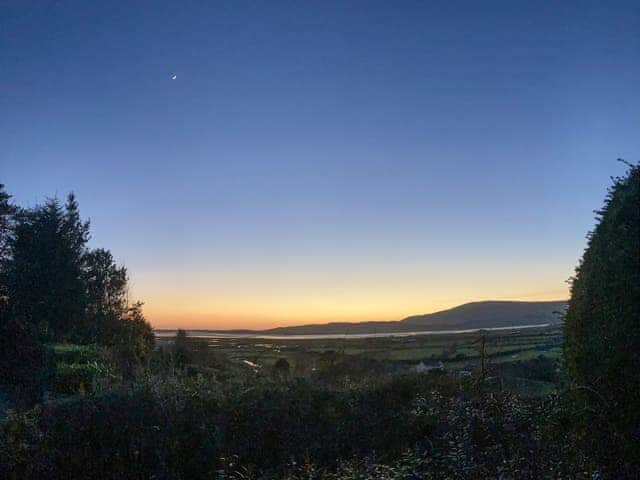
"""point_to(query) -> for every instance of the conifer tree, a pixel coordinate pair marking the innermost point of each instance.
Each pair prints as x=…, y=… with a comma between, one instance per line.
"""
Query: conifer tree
x=602, y=326
x=44, y=273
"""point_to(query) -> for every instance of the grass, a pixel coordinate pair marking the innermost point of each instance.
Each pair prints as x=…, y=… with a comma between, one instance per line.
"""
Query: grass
x=81, y=369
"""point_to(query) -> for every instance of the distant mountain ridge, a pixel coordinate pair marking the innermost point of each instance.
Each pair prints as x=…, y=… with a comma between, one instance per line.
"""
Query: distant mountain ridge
x=492, y=314
x=487, y=314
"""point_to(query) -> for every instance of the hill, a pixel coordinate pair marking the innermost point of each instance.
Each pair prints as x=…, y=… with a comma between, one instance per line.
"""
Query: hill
x=489, y=314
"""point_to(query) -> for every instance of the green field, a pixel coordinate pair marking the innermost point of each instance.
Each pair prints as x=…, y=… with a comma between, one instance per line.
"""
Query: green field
x=509, y=354
x=455, y=350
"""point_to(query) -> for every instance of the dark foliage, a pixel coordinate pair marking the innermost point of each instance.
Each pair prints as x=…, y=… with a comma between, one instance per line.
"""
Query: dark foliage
x=26, y=365
x=132, y=341
x=106, y=291
x=539, y=369
x=52, y=280
x=7, y=216
x=44, y=273
x=602, y=327
x=54, y=289
x=180, y=352
x=114, y=435
x=432, y=425
x=84, y=370
x=281, y=369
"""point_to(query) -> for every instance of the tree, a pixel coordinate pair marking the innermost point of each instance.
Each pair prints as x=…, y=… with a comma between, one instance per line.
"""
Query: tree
x=180, y=349
x=26, y=364
x=132, y=341
x=52, y=288
x=7, y=219
x=281, y=369
x=602, y=325
x=106, y=294
x=7, y=216
x=44, y=271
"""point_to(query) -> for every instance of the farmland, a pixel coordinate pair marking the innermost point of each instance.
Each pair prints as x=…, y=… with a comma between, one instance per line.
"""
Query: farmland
x=505, y=352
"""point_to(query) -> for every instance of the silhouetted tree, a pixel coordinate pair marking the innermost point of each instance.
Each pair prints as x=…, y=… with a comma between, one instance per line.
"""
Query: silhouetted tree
x=132, y=341
x=53, y=288
x=180, y=349
x=7, y=219
x=44, y=271
x=7, y=216
x=106, y=294
x=602, y=326
x=281, y=369
x=25, y=363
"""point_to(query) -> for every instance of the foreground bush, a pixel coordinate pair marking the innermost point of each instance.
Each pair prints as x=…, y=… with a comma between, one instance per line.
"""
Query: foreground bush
x=602, y=327
x=418, y=426
x=27, y=367
x=115, y=435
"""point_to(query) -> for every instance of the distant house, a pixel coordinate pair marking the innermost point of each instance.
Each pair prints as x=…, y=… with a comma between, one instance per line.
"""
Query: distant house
x=427, y=366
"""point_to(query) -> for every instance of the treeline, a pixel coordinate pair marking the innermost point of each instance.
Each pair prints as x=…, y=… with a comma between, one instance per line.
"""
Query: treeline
x=54, y=288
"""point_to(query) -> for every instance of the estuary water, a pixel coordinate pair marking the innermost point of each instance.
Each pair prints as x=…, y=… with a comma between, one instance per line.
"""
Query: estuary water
x=218, y=334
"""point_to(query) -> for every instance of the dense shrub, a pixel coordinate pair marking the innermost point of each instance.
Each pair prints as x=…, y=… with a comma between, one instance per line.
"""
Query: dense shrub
x=27, y=368
x=498, y=437
x=301, y=421
x=84, y=378
x=602, y=327
x=114, y=435
x=540, y=368
x=415, y=426
x=180, y=352
x=132, y=342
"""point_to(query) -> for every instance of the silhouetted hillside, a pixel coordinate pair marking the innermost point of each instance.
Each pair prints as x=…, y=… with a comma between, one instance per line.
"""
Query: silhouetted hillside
x=488, y=314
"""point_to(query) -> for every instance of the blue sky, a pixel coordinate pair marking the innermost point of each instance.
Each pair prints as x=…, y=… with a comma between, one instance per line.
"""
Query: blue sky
x=323, y=160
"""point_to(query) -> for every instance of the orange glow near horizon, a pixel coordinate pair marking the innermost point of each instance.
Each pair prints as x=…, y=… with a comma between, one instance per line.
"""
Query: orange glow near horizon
x=282, y=302
x=259, y=321
x=261, y=296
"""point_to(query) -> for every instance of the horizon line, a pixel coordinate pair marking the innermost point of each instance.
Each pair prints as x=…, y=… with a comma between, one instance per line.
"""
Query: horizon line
x=196, y=329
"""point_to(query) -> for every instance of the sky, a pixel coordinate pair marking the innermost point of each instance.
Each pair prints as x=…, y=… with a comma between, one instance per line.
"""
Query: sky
x=257, y=164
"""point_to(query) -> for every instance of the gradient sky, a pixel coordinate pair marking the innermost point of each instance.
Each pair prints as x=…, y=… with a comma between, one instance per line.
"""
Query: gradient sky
x=323, y=161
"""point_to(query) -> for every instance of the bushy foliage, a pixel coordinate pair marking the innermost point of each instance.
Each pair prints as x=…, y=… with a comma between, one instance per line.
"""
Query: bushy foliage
x=180, y=351
x=7, y=216
x=113, y=435
x=84, y=370
x=106, y=293
x=417, y=426
x=540, y=368
x=281, y=369
x=602, y=327
x=26, y=365
x=132, y=341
